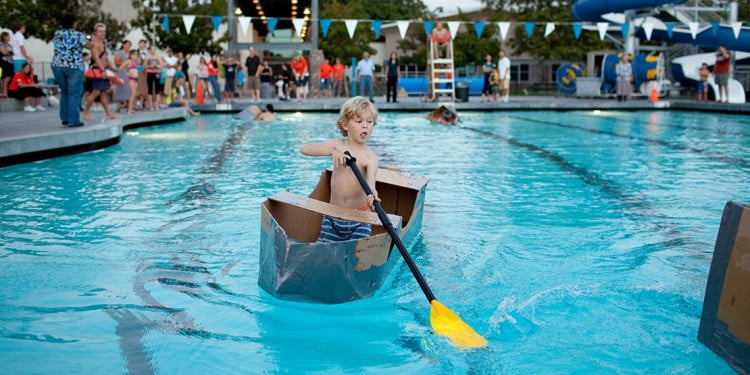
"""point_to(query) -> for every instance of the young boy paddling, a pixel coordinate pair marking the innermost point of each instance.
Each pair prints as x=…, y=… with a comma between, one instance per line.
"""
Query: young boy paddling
x=356, y=121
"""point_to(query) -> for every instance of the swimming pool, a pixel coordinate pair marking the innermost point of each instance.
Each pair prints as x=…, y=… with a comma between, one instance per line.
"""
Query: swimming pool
x=573, y=241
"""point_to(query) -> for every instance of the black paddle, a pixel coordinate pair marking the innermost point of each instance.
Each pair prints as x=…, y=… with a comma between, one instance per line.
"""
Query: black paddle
x=444, y=321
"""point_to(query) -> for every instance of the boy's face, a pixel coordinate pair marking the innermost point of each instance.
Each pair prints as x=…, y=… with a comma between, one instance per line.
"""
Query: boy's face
x=360, y=127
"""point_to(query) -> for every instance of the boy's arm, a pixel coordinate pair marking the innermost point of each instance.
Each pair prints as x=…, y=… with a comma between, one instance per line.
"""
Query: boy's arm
x=372, y=172
x=329, y=147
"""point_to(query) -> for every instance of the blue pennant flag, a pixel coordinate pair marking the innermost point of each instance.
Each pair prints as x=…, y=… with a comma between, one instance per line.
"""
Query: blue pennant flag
x=577, y=28
x=376, y=28
x=165, y=23
x=428, y=25
x=325, y=24
x=529, y=28
x=624, y=29
x=670, y=29
x=479, y=28
x=272, y=24
x=715, y=28
x=216, y=20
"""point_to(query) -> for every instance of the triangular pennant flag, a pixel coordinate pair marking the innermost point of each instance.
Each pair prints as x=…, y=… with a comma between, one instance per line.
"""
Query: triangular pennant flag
x=577, y=28
x=188, y=22
x=402, y=27
x=670, y=30
x=376, y=24
x=428, y=25
x=479, y=28
x=453, y=28
x=351, y=27
x=272, y=24
x=244, y=24
x=529, y=28
x=504, y=27
x=715, y=28
x=693, y=26
x=298, y=23
x=325, y=24
x=216, y=21
x=602, y=26
x=624, y=30
x=736, y=27
x=648, y=27
x=165, y=23
x=548, y=29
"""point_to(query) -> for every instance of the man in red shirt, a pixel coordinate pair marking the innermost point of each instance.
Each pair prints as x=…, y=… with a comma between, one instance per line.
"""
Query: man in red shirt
x=721, y=72
x=326, y=70
x=301, y=75
x=338, y=77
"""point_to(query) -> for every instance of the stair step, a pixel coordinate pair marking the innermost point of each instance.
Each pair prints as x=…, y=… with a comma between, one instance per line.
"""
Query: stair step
x=443, y=90
x=442, y=70
x=442, y=80
x=442, y=61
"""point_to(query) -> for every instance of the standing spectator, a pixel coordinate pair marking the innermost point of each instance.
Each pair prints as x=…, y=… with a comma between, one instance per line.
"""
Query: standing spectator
x=326, y=70
x=6, y=63
x=338, y=77
x=99, y=86
x=721, y=72
x=503, y=66
x=171, y=63
x=68, y=67
x=230, y=75
x=266, y=75
x=253, y=75
x=130, y=67
x=185, y=67
x=365, y=69
x=282, y=82
x=624, y=74
x=18, y=44
x=392, y=74
x=142, y=75
x=22, y=87
x=153, y=64
x=301, y=76
x=703, y=74
x=202, y=76
x=122, y=93
x=213, y=79
x=487, y=69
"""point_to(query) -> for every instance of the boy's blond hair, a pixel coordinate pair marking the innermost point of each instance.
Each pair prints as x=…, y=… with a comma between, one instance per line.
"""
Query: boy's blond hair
x=353, y=107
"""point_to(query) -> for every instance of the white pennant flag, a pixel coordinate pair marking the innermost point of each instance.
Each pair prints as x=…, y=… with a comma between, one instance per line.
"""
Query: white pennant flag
x=454, y=25
x=351, y=27
x=549, y=29
x=693, y=26
x=244, y=23
x=504, y=27
x=602, y=26
x=402, y=27
x=188, y=21
x=648, y=27
x=298, y=23
x=736, y=27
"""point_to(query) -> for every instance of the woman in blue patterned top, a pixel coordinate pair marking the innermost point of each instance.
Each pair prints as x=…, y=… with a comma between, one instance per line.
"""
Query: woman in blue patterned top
x=67, y=66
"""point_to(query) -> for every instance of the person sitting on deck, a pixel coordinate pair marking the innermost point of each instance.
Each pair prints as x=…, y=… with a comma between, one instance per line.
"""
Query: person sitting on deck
x=176, y=99
x=356, y=121
x=265, y=114
x=23, y=87
x=444, y=114
x=440, y=37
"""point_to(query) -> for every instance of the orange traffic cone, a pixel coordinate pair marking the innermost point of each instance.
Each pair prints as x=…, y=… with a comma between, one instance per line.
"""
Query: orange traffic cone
x=654, y=96
x=199, y=92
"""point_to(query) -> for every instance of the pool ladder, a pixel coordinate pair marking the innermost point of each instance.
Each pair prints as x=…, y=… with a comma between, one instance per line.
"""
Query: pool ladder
x=441, y=72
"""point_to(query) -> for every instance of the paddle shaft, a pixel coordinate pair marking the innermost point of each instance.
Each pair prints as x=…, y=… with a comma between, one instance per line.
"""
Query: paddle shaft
x=391, y=231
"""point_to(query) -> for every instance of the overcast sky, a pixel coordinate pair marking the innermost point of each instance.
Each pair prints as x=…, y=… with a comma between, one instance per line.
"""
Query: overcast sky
x=450, y=6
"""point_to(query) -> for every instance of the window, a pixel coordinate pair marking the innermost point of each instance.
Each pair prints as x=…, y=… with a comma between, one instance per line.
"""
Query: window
x=555, y=67
x=519, y=73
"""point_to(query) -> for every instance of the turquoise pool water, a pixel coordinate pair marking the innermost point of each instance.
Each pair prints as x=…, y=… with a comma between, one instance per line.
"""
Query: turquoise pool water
x=575, y=242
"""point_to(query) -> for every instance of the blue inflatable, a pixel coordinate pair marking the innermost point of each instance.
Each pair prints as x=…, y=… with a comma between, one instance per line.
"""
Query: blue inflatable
x=566, y=78
x=645, y=68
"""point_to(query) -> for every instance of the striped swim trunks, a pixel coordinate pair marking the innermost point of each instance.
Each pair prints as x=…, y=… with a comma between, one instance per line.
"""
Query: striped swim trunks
x=334, y=230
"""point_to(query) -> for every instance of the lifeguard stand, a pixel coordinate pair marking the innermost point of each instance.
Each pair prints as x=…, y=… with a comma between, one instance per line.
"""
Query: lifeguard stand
x=441, y=72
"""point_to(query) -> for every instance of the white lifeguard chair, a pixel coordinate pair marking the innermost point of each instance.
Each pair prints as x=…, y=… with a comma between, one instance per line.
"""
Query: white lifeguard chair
x=441, y=71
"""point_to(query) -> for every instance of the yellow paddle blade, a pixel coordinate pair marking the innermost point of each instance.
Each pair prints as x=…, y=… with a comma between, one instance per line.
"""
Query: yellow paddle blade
x=447, y=323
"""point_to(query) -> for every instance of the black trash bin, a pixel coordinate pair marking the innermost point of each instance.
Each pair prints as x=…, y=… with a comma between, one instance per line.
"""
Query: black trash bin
x=462, y=91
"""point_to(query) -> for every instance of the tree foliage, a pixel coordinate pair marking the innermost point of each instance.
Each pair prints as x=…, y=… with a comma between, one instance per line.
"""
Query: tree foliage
x=42, y=17
x=200, y=39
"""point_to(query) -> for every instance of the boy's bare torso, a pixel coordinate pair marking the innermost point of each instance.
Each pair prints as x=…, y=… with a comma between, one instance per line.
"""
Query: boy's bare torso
x=345, y=189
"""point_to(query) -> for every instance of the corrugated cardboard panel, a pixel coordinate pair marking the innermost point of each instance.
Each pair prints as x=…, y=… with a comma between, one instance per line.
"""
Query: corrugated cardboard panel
x=734, y=305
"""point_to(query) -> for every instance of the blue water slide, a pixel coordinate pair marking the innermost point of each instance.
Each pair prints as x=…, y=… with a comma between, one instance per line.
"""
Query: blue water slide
x=592, y=10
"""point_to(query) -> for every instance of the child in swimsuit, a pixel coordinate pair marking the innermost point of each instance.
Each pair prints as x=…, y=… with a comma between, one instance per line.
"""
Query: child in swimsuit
x=356, y=121
x=130, y=68
x=495, y=84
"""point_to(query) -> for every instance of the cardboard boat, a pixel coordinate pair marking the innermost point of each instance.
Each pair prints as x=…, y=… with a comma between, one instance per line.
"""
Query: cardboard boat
x=294, y=267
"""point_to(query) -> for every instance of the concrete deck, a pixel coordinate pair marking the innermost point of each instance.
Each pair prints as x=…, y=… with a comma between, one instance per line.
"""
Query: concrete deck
x=39, y=135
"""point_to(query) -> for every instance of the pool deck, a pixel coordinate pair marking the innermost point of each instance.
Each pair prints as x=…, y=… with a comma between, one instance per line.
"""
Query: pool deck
x=26, y=137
